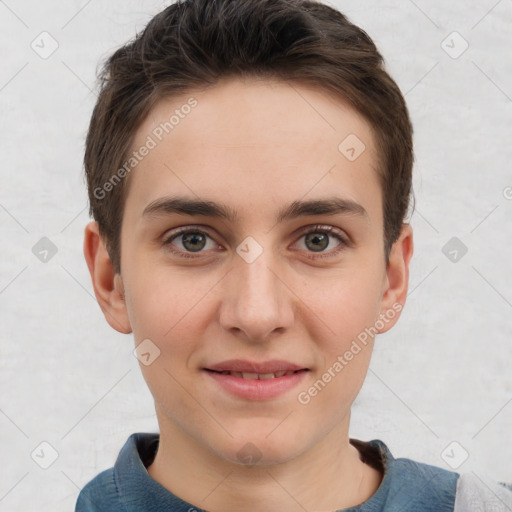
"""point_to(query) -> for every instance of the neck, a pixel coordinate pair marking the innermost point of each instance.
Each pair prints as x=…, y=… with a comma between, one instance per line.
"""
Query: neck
x=329, y=476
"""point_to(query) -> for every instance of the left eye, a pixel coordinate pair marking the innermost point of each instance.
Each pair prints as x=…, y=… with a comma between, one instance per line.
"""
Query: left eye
x=317, y=240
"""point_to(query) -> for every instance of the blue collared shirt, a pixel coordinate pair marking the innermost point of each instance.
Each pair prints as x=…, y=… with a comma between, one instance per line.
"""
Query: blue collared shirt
x=407, y=486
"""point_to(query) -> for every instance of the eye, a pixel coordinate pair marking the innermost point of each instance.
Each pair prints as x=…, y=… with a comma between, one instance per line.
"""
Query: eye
x=191, y=242
x=318, y=239
x=187, y=241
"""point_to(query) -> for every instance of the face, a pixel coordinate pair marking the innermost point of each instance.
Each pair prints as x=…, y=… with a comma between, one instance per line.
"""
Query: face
x=273, y=257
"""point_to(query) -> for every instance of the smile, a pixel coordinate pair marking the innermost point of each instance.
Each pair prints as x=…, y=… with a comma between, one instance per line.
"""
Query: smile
x=256, y=376
x=254, y=386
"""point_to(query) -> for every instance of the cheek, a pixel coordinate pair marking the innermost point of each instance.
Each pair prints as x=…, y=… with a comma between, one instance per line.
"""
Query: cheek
x=345, y=303
x=173, y=310
x=341, y=319
x=162, y=303
x=346, y=309
x=174, y=317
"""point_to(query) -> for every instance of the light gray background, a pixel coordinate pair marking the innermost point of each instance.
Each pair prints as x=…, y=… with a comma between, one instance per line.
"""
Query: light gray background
x=441, y=375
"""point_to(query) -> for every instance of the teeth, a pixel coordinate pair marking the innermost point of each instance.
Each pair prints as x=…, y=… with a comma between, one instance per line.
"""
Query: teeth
x=248, y=376
x=257, y=376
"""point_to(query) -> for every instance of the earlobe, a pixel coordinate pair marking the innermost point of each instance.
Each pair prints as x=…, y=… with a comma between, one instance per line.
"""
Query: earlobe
x=108, y=286
x=397, y=278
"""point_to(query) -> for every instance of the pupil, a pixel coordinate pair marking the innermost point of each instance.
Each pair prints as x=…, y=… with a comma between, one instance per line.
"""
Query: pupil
x=320, y=241
x=195, y=240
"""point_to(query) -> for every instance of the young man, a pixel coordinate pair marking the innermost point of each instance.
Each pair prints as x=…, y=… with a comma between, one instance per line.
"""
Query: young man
x=249, y=171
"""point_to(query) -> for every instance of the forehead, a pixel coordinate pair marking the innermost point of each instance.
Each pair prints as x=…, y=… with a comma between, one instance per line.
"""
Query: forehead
x=263, y=141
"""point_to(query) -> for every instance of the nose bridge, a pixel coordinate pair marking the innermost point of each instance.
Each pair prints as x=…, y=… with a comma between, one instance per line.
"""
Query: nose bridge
x=257, y=302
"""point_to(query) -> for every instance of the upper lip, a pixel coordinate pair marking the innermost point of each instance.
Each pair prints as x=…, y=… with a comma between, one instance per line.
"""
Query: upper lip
x=240, y=365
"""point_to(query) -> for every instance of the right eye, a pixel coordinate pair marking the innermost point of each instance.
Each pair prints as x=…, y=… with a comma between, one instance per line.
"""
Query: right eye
x=187, y=241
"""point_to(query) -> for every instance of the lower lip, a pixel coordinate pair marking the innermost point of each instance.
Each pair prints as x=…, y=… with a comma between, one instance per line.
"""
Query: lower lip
x=257, y=389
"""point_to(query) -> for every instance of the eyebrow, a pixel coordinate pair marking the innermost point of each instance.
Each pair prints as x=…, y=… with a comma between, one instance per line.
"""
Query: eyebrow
x=187, y=206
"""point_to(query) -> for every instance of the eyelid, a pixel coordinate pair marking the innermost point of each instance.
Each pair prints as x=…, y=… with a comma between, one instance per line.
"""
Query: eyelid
x=326, y=228
x=344, y=240
x=330, y=230
x=169, y=236
x=194, y=228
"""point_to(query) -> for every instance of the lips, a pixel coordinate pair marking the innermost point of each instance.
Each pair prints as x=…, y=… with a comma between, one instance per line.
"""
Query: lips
x=255, y=375
x=250, y=380
x=278, y=375
x=252, y=370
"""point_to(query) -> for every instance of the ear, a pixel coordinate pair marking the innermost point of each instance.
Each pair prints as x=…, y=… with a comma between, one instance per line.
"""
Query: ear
x=108, y=286
x=397, y=279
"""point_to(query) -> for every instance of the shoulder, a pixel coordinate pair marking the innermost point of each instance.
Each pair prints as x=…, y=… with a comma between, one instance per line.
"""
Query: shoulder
x=408, y=484
x=424, y=484
x=427, y=487
x=114, y=488
x=476, y=495
x=99, y=494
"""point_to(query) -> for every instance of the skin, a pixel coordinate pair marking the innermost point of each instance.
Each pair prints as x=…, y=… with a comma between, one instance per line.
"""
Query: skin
x=256, y=146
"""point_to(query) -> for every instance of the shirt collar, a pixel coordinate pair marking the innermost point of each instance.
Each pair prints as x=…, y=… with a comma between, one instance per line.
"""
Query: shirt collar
x=138, y=491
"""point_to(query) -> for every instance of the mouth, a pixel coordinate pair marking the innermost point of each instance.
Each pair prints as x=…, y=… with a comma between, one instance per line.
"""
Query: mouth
x=258, y=376
x=255, y=381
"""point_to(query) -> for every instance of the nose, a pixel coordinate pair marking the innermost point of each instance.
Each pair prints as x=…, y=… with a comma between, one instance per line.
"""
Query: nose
x=257, y=301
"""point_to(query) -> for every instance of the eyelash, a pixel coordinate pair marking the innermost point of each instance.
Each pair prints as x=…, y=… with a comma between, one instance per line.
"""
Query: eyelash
x=328, y=230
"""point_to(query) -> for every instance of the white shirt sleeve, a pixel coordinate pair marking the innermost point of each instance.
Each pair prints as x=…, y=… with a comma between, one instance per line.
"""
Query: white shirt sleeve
x=476, y=495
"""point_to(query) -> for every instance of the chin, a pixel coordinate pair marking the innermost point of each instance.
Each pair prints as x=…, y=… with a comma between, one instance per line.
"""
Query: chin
x=259, y=450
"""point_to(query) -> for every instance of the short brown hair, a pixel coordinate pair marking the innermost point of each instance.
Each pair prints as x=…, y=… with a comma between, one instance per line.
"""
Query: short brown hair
x=194, y=43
